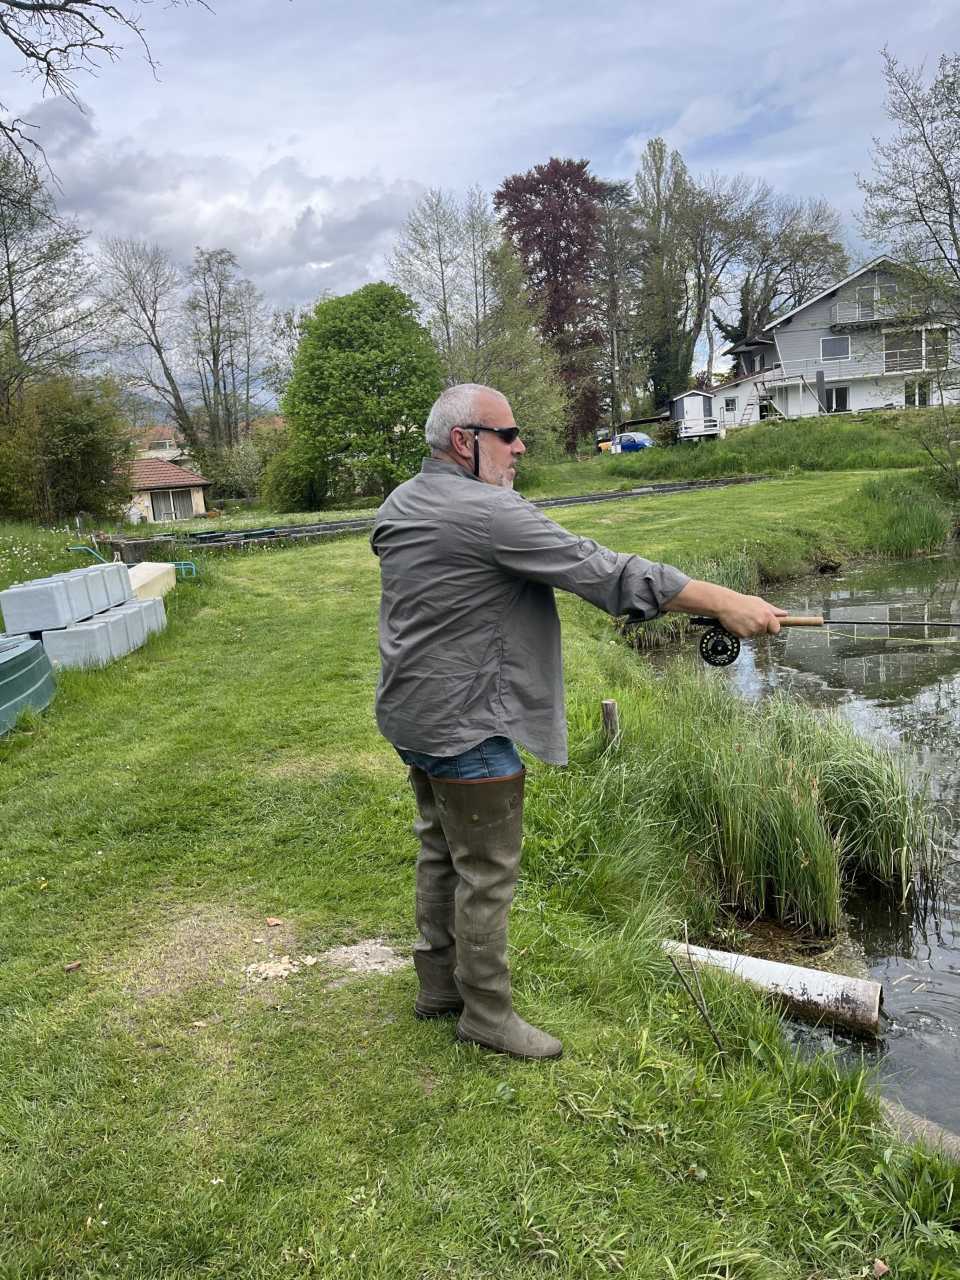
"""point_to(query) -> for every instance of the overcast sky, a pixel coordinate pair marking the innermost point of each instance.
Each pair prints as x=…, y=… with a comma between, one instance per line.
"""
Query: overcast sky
x=297, y=133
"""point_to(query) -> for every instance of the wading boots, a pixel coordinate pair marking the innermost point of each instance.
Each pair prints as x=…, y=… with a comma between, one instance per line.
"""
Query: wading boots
x=434, y=954
x=483, y=824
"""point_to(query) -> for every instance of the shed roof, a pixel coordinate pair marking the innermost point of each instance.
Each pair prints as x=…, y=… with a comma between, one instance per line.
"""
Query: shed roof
x=157, y=473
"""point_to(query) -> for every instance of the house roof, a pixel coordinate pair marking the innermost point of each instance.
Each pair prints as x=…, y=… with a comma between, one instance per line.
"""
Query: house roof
x=867, y=266
x=156, y=473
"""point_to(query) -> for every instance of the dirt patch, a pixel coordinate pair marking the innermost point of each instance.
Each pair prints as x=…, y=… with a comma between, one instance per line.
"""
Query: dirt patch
x=370, y=956
x=200, y=946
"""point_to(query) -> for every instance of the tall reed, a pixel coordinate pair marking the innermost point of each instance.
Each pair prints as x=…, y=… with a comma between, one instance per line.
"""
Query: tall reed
x=771, y=809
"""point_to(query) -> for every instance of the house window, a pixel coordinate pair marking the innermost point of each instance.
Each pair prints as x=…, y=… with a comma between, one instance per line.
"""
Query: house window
x=171, y=504
x=903, y=350
x=916, y=393
x=835, y=348
x=730, y=404
x=838, y=399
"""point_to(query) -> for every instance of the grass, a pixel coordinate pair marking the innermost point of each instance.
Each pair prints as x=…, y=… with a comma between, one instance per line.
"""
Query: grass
x=163, y=1116
x=847, y=442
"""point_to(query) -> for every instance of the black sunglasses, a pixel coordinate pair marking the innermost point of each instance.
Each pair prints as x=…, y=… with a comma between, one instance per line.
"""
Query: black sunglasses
x=506, y=434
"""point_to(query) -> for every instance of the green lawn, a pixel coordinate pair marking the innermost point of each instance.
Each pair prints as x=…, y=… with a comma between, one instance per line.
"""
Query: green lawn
x=164, y=1115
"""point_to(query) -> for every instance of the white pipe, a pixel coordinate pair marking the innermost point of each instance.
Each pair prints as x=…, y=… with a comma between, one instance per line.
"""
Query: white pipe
x=810, y=994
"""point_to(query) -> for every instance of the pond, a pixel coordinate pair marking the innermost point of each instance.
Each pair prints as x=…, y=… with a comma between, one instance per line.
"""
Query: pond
x=900, y=687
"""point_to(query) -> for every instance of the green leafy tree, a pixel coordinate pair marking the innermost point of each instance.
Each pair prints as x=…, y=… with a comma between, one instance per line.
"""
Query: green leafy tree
x=364, y=378
x=509, y=354
x=62, y=451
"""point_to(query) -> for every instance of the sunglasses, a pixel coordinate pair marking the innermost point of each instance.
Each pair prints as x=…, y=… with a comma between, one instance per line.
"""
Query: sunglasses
x=506, y=434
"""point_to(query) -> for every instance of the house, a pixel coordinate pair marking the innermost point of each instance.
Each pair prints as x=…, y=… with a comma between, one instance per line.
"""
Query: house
x=159, y=442
x=163, y=491
x=861, y=344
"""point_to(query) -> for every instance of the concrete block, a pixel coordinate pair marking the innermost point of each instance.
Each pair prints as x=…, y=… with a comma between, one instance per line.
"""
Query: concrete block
x=96, y=580
x=153, y=578
x=135, y=614
x=78, y=589
x=87, y=644
x=40, y=605
x=155, y=614
x=117, y=630
x=118, y=582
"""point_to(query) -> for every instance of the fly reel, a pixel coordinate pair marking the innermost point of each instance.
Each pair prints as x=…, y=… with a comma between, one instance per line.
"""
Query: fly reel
x=717, y=646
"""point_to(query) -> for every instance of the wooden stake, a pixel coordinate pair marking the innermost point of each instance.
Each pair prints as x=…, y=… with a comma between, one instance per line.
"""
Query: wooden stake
x=611, y=720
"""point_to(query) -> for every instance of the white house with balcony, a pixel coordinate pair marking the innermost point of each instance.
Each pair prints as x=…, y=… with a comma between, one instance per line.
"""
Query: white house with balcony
x=861, y=344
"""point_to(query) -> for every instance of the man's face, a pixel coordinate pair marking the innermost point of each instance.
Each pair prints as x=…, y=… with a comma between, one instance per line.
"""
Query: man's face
x=497, y=458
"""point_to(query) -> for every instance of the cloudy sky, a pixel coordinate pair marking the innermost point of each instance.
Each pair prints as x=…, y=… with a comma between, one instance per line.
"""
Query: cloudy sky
x=298, y=132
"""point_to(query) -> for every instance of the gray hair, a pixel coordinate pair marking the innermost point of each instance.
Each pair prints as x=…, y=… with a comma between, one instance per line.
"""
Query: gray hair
x=455, y=407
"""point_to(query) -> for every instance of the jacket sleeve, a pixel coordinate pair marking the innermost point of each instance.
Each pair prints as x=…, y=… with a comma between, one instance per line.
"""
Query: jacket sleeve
x=526, y=543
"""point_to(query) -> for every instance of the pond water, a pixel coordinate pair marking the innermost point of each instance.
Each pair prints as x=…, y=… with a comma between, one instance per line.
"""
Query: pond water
x=900, y=687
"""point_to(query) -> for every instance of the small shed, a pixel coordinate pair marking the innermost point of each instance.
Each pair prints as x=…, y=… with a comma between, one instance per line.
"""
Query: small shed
x=164, y=491
x=692, y=415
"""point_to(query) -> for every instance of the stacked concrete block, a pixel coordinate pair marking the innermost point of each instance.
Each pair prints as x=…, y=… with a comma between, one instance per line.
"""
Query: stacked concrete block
x=85, y=618
x=86, y=644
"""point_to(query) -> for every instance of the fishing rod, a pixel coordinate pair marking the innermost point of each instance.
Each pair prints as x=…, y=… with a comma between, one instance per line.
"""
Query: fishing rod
x=719, y=647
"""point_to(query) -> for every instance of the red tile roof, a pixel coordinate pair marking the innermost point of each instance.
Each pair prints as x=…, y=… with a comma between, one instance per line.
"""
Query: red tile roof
x=155, y=473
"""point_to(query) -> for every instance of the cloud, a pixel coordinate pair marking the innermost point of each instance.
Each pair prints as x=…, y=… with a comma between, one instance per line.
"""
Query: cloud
x=296, y=233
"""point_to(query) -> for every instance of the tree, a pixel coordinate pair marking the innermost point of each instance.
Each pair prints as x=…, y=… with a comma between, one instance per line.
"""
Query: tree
x=225, y=318
x=364, y=378
x=57, y=39
x=912, y=209
x=141, y=292
x=428, y=263
x=795, y=252
x=719, y=219
x=664, y=194
x=62, y=451
x=618, y=290
x=509, y=354
x=550, y=215
x=46, y=316
x=191, y=339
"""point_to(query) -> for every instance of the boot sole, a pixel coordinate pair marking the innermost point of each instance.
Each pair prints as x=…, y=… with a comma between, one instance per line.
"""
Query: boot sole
x=509, y=1053
x=426, y=1015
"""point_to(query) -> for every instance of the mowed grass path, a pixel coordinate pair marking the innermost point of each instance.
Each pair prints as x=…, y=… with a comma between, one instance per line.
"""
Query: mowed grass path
x=164, y=1115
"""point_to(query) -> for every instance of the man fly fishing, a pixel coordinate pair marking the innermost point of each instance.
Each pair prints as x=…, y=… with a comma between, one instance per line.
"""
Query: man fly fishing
x=470, y=667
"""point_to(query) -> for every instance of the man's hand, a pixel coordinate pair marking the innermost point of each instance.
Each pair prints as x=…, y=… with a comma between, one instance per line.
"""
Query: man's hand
x=750, y=616
x=742, y=615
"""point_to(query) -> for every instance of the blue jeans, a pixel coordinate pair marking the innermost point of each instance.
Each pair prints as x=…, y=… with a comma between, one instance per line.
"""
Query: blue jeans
x=492, y=758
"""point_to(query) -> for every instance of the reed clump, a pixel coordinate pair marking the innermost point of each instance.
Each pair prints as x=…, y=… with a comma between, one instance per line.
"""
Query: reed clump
x=771, y=809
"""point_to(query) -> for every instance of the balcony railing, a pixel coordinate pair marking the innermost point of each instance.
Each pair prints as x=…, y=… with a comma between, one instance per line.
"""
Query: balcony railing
x=874, y=365
x=879, y=309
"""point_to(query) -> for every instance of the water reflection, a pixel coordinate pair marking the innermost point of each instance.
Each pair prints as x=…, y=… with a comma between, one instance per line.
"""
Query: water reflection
x=900, y=687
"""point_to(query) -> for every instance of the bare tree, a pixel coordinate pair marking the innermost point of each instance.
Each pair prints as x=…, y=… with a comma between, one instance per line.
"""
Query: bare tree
x=428, y=263
x=912, y=209
x=721, y=219
x=58, y=39
x=796, y=250
x=46, y=316
x=141, y=290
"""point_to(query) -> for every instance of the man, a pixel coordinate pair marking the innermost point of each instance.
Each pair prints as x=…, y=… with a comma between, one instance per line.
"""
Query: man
x=471, y=663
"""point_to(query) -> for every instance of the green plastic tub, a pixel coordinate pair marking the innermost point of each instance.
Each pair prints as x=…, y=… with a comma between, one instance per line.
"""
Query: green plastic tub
x=26, y=679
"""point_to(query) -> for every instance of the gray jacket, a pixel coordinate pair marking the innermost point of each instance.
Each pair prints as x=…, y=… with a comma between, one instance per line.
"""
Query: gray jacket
x=469, y=633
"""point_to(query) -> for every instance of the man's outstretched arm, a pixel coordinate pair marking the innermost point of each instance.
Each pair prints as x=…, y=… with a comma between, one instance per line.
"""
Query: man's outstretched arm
x=743, y=615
